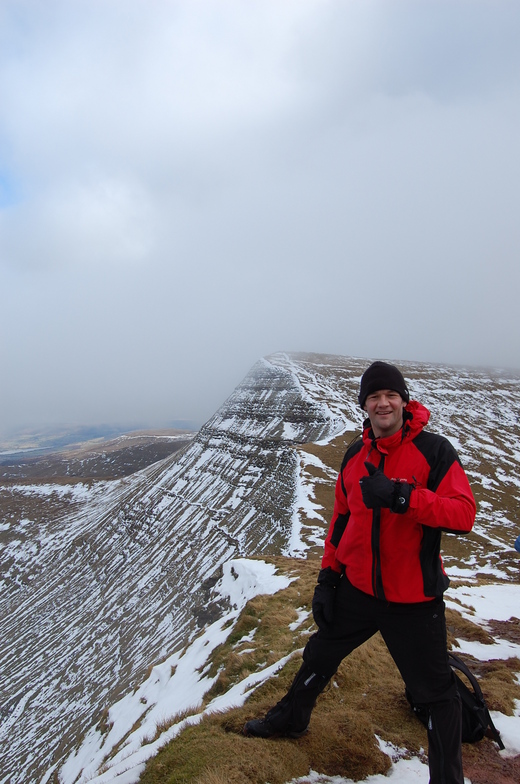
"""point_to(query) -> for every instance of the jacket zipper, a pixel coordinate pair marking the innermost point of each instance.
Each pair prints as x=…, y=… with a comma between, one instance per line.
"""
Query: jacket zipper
x=377, y=577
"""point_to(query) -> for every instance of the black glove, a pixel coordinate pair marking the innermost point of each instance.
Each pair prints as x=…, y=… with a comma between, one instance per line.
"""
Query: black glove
x=324, y=598
x=380, y=491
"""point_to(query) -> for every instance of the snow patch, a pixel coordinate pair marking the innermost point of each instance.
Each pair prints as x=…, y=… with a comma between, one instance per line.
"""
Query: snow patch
x=481, y=603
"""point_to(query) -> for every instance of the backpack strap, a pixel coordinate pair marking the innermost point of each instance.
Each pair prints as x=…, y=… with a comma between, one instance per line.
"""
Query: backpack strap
x=480, y=708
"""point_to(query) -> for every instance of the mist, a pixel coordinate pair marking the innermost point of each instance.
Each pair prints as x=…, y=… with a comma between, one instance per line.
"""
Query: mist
x=188, y=186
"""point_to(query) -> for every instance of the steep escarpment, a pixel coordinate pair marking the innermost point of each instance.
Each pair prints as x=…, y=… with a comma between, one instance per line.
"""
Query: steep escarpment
x=94, y=594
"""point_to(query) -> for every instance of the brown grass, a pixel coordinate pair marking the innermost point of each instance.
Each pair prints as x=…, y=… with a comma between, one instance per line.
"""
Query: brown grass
x=457, y=626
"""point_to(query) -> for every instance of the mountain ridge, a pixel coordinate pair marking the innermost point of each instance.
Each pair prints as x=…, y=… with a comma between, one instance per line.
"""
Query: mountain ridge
x=121, y=578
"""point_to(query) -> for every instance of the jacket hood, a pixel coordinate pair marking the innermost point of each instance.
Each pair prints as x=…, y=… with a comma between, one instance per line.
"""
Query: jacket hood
x=418, y=415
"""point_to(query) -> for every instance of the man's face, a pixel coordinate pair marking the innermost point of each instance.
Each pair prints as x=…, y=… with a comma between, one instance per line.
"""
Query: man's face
x=385, y=411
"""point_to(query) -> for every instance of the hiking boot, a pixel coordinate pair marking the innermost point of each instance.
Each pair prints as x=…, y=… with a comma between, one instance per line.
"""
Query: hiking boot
x=262, y=728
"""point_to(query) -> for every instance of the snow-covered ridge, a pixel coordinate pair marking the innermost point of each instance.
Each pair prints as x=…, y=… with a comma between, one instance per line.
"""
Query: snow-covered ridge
x=92, y=598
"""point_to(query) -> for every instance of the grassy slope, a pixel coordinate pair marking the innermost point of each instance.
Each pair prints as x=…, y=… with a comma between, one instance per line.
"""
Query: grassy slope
x=365, y=698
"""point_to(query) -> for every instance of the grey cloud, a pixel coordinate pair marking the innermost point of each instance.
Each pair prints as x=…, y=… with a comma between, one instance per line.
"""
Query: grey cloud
x=447, y=50
x=197, y=188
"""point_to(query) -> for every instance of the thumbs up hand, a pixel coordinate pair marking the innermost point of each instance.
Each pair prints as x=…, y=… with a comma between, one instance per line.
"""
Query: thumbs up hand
x=380, y=492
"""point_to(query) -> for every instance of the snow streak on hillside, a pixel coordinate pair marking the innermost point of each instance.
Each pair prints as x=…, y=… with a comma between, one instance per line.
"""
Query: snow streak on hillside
x=122, y=580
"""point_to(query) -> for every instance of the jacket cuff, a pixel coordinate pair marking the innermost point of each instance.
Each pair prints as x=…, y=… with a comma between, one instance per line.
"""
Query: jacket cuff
x=329, y=576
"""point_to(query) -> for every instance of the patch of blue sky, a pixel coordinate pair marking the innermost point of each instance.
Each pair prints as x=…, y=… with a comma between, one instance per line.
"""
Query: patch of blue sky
x=9, y=190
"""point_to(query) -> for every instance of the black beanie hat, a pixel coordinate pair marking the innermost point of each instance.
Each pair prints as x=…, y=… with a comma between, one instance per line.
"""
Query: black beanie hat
x=381, y=375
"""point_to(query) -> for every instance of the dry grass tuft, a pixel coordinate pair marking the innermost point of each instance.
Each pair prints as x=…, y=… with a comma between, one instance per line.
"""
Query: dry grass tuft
x=498, y=682
x=208, y=753
x=458, y=626
x=166, y=724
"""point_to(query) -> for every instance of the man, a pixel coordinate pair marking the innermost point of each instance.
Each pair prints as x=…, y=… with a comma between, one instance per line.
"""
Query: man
x=398, y=488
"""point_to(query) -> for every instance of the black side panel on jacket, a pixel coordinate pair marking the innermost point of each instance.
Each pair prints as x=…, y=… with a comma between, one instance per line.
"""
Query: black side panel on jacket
x=377, y=576
x=354, y=447
x=339, y=528
x=439, y=454
x=434, y=580
x=342, y=520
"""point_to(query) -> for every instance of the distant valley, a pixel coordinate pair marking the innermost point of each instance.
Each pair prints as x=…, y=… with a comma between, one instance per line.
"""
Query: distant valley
x=95, y=458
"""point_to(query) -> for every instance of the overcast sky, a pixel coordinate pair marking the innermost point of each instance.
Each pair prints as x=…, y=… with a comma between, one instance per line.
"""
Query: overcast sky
x=188, y=185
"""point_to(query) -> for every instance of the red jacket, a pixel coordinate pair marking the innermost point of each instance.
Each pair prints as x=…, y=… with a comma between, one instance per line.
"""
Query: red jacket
x=397, y=556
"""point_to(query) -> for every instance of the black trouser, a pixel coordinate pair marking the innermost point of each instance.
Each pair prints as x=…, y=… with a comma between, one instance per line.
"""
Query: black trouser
x=415, y=635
